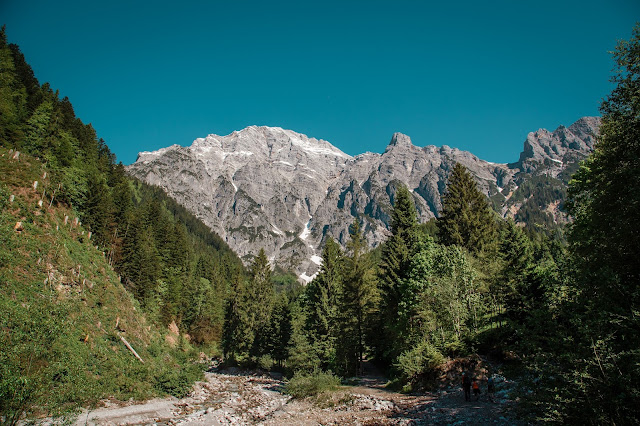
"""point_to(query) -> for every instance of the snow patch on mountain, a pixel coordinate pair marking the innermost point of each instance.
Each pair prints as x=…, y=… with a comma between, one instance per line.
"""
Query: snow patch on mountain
x=306, y=231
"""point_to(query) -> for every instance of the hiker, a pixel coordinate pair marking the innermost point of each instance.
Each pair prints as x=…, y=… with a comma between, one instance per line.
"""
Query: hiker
x=466, y=386
x=491, y=388
x=476, y=388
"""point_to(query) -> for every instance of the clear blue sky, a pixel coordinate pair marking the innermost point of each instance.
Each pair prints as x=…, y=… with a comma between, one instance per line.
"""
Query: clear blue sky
x=473, y=75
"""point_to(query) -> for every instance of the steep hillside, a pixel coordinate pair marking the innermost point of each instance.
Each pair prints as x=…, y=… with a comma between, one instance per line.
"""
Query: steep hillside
x=172, y=264
x=66, y=318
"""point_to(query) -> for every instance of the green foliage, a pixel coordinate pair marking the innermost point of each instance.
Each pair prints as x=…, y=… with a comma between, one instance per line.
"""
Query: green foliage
x=302, y=356
x=61, y=300
x=419, y=359
x=278, y=332
x=441, y=302
x=177, y=382
x=394, y=266
x=238, y=335
x=260, y=299
x=148, y=238
x=605, y=244
x=466, y=219
x=303, y=385
x=358, y=304
x=322, y=296
x=536, y=194
x=286, y=283
x=257, y=322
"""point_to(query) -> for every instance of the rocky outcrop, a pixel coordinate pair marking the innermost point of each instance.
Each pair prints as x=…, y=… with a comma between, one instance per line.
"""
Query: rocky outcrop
x=564, y=145
x=271, y=188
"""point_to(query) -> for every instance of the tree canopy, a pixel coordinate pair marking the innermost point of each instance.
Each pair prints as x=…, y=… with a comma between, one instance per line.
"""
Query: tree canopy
x=467, y=219
x=605, y=242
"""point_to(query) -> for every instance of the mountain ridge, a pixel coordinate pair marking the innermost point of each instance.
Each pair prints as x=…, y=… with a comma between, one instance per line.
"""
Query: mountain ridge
x=272, y=188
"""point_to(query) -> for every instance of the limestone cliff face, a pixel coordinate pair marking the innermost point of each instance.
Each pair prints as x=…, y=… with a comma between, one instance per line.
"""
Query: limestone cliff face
x=564, y=145
x=271, y=188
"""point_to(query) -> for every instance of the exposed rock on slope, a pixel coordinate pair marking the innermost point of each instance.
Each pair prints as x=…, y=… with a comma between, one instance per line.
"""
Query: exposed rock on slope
x=266, y=187
x=564, y=145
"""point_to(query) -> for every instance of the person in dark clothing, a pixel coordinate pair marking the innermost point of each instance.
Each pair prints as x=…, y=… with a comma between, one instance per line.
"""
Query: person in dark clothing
x=466, y=386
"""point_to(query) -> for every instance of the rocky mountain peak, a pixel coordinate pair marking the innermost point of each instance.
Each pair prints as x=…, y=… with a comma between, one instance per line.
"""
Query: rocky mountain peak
x=399, y=140
x=586, y=128
x=560, y=146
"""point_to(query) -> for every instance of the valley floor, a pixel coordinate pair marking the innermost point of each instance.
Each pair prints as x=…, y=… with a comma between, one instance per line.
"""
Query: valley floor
x=238, y=399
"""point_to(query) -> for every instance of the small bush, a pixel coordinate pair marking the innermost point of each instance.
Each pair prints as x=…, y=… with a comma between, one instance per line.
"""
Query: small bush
x=265, y=362
x=421, y=359
x=303, y=385
x=177, y=381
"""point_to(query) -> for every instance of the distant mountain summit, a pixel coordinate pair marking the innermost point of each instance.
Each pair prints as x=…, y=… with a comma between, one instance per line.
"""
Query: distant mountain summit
x=564, y=145
x=271, y=188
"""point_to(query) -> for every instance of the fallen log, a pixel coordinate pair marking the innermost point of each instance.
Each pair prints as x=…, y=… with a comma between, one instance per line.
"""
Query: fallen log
x=133, y=351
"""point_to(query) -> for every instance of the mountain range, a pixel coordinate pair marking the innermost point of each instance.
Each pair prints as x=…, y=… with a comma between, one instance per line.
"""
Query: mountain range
x=271, y=188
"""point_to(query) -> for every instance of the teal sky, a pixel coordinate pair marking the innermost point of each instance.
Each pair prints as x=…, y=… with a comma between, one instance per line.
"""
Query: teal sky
x=473, y=75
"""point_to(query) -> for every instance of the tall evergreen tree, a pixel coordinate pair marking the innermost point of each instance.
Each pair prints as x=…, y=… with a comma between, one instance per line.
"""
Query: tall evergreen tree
x=145, y=266
x=12, y=98
x=279, y=330
x=260, y=295
x=98, y=214
x=517, y=253
x=39, y=129
x=322, y=296
x=359, y=302
x=237, y=337
x=394, y=265
x=466, y=219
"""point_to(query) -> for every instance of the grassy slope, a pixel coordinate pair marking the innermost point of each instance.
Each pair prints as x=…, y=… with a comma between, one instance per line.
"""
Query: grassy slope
x=59, y=305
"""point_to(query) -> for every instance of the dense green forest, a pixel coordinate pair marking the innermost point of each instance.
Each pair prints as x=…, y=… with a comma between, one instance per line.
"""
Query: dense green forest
x=563, y=313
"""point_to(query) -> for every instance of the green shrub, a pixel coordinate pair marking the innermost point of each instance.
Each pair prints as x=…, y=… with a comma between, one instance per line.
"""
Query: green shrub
x=265, y=362
x=177, y=381
x=303, y=385
x=418, y=360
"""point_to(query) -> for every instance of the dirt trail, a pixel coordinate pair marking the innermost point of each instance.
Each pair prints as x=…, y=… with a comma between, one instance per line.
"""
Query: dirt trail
x=237, y=399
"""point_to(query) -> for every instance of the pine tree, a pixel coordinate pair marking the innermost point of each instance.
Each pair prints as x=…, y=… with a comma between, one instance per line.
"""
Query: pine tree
x=12, y=98
x=516, y=251
x=466, y=219
x=301, y=354
x=322, y=296
x=394, y=265
x=38, y=129
x=237, y=337
x=98, y=213
x=279, y=331
x=260, y=296
x=358, y=304
x=145, y=266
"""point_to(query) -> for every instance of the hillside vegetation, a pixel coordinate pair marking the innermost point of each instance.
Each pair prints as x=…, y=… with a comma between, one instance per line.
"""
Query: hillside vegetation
x=64, y=310
x=102, y=256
